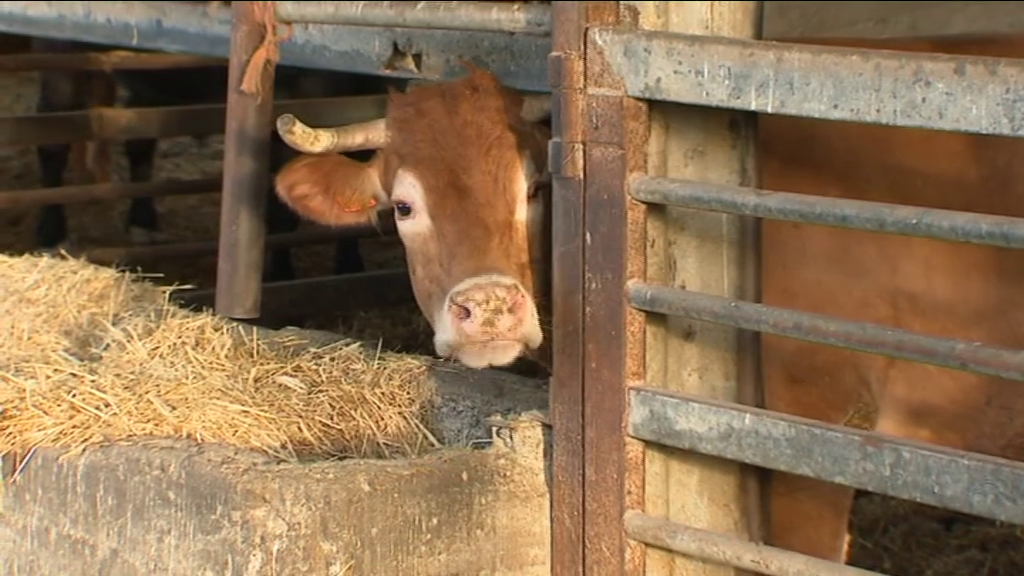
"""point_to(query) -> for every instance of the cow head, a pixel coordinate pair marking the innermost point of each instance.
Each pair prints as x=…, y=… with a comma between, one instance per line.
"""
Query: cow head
x=463, y=165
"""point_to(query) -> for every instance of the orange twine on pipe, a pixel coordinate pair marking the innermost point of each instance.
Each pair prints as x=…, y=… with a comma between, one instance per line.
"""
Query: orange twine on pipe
x=267, y=52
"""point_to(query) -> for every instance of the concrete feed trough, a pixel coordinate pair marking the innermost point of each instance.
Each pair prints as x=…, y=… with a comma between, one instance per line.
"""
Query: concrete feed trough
x=117, y=465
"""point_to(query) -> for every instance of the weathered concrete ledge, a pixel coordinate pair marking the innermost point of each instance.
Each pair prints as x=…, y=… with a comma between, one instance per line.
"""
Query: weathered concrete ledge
x=177, y=508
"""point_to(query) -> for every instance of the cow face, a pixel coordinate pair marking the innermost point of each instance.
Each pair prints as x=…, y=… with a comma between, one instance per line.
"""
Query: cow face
x=463, y=167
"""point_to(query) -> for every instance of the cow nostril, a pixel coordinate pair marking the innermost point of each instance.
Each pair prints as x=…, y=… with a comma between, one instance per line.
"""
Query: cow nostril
x=462, y=313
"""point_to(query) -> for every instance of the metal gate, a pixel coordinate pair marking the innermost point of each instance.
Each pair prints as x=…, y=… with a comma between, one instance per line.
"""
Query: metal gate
x=612, y=346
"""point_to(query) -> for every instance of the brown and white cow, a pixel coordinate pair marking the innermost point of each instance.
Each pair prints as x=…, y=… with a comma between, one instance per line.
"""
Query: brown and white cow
x=463, y=166
x=458, y=163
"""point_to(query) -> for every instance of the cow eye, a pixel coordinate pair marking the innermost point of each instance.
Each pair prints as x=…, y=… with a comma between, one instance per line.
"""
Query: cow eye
x=403, y=210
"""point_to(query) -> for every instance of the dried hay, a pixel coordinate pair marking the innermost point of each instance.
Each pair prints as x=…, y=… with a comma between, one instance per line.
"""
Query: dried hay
x=91, y=355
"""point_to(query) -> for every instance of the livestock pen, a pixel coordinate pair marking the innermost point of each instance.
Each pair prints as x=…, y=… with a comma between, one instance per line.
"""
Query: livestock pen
x=645, y=410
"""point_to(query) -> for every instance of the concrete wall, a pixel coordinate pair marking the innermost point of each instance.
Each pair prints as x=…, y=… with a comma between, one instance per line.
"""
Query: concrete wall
x=174, y=508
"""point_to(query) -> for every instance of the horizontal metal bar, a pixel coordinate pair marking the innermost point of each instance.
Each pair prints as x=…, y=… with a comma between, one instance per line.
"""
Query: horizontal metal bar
x=953, y=479
x=126, y=255
x=478, y=16
x=730, y=551
x=110, y=60
x=942, y=92
x=984, y=229
x=519, y=61
x=861, y=336
x=110, y=123
x=106, y=192
x=290, y=301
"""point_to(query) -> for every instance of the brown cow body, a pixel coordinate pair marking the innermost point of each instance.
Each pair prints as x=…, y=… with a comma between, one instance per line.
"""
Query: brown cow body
x=927, y=286
x=451, y=153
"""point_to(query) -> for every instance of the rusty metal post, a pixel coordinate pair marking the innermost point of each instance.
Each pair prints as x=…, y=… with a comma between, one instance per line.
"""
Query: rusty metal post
x=565, y=159
x=710, y=253
x=246, y=170
x=614, y=136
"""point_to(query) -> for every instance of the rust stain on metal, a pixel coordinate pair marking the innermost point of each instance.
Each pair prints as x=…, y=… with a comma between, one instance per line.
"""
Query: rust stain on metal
x=636, y=132
x=567, y=509
x=615, y=133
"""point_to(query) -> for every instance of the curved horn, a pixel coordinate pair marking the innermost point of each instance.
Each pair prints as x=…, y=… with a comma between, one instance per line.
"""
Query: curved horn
x=370, y=135
x=536, y=107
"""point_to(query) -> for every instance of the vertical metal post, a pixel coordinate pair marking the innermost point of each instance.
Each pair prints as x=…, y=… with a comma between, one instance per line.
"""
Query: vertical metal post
x=565, y=159
x=705, y=252
x=614, y=147
x=246, y=171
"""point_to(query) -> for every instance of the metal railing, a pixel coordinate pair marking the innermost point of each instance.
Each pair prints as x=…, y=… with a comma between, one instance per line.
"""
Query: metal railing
x=968, y=94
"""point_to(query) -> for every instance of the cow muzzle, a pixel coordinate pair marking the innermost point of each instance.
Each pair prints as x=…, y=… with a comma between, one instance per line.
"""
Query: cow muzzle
x=486, y=321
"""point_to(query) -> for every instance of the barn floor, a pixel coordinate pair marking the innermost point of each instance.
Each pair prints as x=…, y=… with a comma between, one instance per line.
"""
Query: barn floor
x=895, y=537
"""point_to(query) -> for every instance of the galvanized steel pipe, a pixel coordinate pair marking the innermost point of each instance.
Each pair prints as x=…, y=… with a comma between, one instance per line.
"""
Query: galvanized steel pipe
x=922, y=222
x=860, y=336
x=729, y=550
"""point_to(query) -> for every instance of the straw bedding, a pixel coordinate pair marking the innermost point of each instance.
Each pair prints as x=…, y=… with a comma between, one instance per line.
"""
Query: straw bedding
x=902, y=538
x=91, y=355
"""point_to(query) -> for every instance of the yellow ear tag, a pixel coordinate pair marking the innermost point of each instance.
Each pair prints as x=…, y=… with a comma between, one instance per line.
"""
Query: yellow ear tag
x=372, y=203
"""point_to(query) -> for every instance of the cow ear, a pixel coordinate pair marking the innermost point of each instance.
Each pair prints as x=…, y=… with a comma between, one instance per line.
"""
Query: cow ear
x=331, y=189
